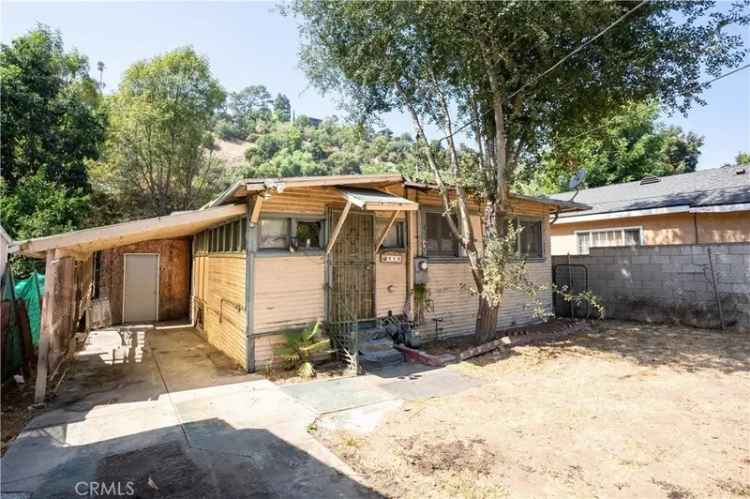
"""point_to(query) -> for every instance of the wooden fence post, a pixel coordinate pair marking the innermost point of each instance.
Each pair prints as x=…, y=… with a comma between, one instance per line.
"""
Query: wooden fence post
x=56, y=323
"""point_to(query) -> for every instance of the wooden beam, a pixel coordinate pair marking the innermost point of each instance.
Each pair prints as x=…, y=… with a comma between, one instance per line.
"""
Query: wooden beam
x=388, y=226
x=257, y=205
x=50, y=275
x=75, y=255
x=334, y=180
x=251, y=248
x=411, y=254
x=374, y=206
x=339, y=225
x=57, y=317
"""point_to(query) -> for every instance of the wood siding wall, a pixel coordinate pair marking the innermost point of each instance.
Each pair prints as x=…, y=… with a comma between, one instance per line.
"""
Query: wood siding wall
x=658, y=230
x=450, y=283
x=290, y=290
x=289, y=294
x=219, y=286
x=174, y=277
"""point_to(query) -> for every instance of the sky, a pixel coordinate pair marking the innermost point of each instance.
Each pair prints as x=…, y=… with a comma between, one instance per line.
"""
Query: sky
x=250, y=43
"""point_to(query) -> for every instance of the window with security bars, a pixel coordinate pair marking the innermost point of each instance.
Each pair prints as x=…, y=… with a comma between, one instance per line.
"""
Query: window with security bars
x=605, y=238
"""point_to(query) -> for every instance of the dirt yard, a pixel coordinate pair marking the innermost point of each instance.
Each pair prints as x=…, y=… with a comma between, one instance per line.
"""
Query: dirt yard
x=626, y=410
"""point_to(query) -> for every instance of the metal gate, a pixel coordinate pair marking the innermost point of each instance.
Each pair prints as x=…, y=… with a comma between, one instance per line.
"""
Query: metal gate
x=352, y=283
x=570, y=279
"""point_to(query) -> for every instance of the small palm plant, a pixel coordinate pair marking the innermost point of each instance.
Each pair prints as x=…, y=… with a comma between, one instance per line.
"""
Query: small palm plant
x=300, y=347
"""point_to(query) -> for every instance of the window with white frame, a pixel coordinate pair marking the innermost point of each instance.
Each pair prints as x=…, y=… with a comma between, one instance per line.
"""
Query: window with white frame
x=628, y=236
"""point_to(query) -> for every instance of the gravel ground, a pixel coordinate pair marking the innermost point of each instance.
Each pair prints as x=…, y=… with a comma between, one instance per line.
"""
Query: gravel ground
x=625, y=410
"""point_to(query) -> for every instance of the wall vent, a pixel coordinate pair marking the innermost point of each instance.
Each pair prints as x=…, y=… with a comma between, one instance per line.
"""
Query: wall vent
x=650, y=179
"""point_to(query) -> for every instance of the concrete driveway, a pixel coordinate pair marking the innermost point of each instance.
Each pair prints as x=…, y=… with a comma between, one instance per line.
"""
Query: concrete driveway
x=157, y=412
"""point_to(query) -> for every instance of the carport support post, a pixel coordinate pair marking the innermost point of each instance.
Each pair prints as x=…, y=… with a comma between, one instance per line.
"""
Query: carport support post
x=58, y=288
x=254, y=204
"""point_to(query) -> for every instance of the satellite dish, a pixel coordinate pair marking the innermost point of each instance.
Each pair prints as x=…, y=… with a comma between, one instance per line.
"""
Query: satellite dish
x=577, y=179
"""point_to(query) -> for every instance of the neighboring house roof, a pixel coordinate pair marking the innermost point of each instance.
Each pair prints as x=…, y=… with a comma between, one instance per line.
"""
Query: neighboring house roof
x=718, y=189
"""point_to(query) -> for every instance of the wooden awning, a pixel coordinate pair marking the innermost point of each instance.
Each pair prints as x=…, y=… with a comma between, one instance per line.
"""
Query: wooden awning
x=372, y=200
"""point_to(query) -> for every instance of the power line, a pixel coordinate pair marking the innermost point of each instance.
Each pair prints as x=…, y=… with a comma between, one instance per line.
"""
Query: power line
x=557, y=64
x=730, y=73
x=704, y=84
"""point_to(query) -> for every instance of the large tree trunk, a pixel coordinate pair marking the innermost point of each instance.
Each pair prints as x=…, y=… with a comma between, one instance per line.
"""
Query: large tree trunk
x=487, y=314
x=486, y=321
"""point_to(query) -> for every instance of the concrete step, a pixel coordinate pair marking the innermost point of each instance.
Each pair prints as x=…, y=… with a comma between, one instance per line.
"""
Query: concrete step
x=380, y=358
x=379, y=353
x=372, y=333
x=380, y=345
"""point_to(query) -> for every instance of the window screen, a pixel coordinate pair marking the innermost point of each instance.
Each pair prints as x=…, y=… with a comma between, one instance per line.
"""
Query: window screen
x=274, y=233
x=439, y=240
x=309, y=234
x=395, y=238
x=229, y=237
x=531, y=243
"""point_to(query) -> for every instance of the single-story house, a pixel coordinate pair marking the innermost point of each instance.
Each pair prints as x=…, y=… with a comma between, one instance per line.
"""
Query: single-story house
x=269, y=255
x=706, y=206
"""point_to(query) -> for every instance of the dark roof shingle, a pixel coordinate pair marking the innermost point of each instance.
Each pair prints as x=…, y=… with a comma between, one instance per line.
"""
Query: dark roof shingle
x=718, y=186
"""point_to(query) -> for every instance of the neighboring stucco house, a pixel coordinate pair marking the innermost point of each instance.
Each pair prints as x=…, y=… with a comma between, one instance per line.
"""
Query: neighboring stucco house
x=270, y=255
x=706, y=206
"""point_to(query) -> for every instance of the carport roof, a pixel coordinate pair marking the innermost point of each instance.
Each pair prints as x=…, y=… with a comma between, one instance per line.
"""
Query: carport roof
x=79, y=243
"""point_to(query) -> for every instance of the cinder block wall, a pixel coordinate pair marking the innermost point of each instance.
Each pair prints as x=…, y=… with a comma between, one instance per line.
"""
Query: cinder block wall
x=671, y=283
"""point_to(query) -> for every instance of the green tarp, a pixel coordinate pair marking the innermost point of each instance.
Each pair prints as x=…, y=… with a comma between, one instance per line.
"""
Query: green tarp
x=29, y=290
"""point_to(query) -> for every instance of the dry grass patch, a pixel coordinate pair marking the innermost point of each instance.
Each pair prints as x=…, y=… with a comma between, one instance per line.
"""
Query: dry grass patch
x=625, y=410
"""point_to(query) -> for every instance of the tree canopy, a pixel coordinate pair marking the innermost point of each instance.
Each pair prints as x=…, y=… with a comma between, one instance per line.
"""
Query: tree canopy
x=521, y=75
x=626, y=147
x=742, y=158
x=158, y=153
x=52, y=125
x=245, y=109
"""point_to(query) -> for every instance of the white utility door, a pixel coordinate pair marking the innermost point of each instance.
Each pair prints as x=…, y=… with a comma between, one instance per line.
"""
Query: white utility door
x=140, y=294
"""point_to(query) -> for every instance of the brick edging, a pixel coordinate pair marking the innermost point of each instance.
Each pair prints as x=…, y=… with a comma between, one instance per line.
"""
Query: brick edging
x=517, y=338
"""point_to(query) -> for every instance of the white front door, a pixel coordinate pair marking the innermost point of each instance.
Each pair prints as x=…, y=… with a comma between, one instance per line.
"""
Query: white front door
x=140, y=294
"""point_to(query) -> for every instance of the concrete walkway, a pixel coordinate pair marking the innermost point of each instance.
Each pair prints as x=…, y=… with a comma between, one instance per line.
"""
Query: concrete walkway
x=359, y=404
x=159, y=413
